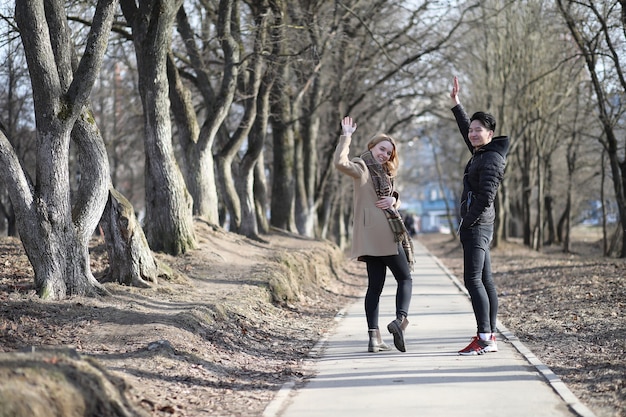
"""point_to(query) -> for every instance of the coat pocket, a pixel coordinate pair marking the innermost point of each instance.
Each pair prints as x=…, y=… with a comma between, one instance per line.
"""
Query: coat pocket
x=367, y=218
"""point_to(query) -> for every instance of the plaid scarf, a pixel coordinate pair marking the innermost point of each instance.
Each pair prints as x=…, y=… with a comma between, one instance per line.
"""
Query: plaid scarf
x=383, y=184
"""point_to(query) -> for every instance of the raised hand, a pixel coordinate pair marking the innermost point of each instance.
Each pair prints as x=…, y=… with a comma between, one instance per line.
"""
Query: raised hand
x=348, y=126
x=454, y=94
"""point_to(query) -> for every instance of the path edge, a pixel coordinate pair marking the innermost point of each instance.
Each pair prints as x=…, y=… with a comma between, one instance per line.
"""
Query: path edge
x=278, y=403
x=571, y=400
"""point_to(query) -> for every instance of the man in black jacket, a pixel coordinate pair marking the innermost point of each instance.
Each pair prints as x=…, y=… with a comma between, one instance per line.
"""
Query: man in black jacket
x=482, y=177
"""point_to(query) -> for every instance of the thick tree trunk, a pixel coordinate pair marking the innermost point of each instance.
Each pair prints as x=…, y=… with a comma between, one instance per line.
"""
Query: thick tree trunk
x=283, y=152
x=169, y=215
x=251, y=184
x=198, y=164
x=201, y=178
x=130, y=260
x=283, y=184
x=55, y=235
x=550, y=225
x=564, y=224
x=169, y=218
x=229, y=192
x=237, y=180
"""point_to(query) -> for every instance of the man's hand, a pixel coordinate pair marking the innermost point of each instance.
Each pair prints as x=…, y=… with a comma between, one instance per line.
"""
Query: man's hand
x=348, y=126
x=454, y=94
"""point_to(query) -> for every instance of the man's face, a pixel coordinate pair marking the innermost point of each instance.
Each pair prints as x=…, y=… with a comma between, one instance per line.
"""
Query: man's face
x=479, y=135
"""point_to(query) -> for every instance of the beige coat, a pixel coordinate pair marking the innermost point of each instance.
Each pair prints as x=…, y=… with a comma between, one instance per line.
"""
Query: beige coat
x=371, y=234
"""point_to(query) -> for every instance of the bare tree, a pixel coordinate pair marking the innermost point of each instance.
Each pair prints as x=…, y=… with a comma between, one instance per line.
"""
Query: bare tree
x=529, y=85
x=592, y=26
x=236, y=179
x=117, y=109
x=169, y=216
x=15, y=102
x=350, y=57
x=198, y=136
x=54, y=233
x=283, y=146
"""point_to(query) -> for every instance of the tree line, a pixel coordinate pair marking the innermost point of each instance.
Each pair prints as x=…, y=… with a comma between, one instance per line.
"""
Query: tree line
x=135, y=117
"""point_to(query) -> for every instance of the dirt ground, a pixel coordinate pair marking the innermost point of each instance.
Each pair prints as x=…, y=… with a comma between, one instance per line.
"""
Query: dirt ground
x=239, y=318
x=219, y=339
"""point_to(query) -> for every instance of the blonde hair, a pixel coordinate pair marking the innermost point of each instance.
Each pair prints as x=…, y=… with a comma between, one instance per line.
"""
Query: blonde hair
x=391, y=166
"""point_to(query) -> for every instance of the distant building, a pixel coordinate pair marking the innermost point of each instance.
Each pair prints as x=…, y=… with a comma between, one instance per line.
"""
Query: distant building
x=437, y=212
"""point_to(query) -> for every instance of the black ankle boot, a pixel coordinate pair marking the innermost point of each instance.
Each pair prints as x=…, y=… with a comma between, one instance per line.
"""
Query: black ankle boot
x=396, y=328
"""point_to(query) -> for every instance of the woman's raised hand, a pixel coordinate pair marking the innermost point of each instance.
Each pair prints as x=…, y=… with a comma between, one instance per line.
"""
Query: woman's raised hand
x=347, y=126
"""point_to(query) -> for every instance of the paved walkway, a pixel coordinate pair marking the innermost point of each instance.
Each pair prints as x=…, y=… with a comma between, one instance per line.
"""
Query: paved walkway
x=430, y=379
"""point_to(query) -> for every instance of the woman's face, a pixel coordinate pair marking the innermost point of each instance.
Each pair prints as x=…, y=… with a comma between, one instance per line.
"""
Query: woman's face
x=382, y=151
x=479, y=135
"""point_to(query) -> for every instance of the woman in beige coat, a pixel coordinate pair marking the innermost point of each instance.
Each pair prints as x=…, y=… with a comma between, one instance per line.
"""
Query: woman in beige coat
x=379, y=237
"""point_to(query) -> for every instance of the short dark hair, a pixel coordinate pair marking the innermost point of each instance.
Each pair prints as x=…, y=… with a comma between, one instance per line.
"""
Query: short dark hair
x=486, y=119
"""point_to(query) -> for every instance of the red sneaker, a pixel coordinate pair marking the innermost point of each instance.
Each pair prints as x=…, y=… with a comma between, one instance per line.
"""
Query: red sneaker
x=478, y=347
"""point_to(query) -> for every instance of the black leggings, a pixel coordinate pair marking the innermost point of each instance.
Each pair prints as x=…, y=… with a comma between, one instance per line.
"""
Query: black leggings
x=376, y=273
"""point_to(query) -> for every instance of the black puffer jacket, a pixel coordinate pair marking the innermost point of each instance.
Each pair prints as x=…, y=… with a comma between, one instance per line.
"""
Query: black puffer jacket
x=483, y=174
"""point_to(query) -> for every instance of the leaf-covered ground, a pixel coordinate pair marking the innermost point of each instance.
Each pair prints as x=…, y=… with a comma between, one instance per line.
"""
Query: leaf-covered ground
x=211, y=341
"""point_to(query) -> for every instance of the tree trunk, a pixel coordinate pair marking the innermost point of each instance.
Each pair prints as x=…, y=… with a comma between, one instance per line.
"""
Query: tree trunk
x=200, y=172
x=563, y=227
x=604, y=97
x=236, y=181
x=13, y=115
x=55, y=235
x=501, y=226
x=526, y=190
x=169, y=215
x=260, y=195
x=130, y=259
x=251, y=217
x=538, y=237
x=605, y=233
x=565, y=224
x=550, y=226
x=283, y=184
x=283, y=152
x=307, y=163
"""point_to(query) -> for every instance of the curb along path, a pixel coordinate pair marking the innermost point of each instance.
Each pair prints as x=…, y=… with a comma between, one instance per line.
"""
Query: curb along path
x=430, y=379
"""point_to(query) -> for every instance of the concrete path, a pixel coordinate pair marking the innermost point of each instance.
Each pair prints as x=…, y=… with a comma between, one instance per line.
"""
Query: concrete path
x=430, y=379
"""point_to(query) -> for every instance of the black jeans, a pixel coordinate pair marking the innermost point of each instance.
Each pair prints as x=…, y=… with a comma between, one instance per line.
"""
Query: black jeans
x=376, y=273
x=477, y=275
